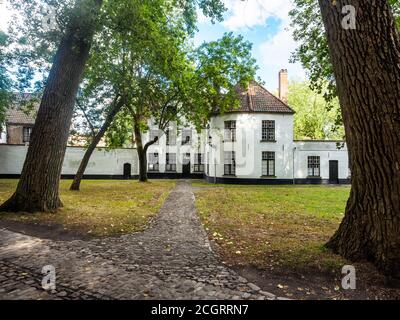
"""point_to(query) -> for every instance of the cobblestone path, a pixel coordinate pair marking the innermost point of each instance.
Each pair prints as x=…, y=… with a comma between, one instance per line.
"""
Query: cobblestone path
x=172, y=259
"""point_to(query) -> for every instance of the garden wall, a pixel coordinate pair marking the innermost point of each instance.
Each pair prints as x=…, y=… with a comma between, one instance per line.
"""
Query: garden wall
x=103, y=163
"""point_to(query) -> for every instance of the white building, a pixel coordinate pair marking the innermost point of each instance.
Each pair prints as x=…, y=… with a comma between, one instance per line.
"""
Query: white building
x=251, y=145
x=3, y=137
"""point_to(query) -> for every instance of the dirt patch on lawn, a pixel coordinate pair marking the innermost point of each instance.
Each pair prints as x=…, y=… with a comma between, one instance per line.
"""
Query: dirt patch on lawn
x=370, y=285
x=45, y=231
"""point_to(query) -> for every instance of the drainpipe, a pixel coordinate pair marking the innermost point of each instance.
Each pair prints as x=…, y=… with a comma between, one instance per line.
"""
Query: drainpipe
x=293, y=168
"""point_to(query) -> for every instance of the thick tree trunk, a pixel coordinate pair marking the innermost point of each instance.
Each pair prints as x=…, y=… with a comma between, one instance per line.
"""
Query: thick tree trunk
x=142, y=165
x=75, y=186
x=142, y=151
x=38, y=187
x=367, y=69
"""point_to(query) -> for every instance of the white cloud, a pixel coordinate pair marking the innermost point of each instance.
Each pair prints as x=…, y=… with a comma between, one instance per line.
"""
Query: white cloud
x=250, y=13
x=201, y=17
x=275, y=55
x=5, y=15
x=275, y=52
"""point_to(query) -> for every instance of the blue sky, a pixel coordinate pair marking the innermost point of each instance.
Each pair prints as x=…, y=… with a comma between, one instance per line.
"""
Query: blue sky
x=265, y=23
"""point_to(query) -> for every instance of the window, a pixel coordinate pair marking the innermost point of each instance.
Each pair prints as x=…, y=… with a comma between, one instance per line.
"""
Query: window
x=171, y=137
x=230, y=130
x=198, y=162
x=268, y=164
x=154, y=164
x=27, y=132
x=186, y=136
x=313, y=166
x=229, y=163
x=155, y=134
x=171, y=162
x=268, y=130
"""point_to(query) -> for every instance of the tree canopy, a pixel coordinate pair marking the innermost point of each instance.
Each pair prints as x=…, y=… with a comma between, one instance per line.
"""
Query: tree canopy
x=220, y=66
x=5, y=81
x=313, y=120
x=38, y=29
x=75, y=26
x=312, y=51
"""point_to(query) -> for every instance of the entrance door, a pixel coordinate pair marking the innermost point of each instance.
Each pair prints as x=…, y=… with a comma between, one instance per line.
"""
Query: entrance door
x=186, y=166
x=334, y=171
x=127, y=171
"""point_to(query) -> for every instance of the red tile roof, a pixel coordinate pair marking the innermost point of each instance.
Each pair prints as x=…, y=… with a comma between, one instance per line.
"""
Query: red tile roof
x=258, y=99
x=18, y=114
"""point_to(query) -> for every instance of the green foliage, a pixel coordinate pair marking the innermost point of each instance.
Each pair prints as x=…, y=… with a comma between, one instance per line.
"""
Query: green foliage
x=396, y=11
x=41, y=25
x=313, y=52
x=120, y=134
x=139, y=58
x=35, y=36
x=161, y=77
x=5, y=81
x=221, y=66
x=140, y=55
x=313, y=119
x=213, y=9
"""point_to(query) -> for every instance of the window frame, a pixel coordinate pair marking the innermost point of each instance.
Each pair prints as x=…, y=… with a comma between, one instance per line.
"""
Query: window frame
x=268, y=131
x=230, y=131
x=313, y=163
x=198, y=162
x=24, y=129
x=268, y=157
x=156, y=165
x=170, y=166
x=230, y=168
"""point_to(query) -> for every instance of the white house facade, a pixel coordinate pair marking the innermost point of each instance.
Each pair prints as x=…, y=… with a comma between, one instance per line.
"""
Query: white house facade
x=253, y=144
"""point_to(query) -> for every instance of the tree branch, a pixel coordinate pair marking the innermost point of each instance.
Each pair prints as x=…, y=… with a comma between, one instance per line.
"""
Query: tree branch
x=87, y=118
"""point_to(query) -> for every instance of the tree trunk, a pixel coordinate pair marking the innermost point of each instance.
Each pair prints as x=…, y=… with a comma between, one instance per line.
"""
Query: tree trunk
x=142, y=165
x=367, y=69
x=142, y=151
x=75, y=186
x=38, y=186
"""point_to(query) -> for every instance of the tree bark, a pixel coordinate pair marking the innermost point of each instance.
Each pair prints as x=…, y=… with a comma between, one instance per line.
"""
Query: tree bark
x=38, y=186
x=75, y=186
x=367, y=70
x=142, y=151
x=142, y=165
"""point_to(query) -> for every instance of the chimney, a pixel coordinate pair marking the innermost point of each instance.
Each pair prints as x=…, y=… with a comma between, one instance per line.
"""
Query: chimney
x=283, y=85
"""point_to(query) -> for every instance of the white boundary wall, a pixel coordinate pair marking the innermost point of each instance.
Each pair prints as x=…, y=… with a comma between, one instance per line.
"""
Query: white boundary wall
x=102, y=162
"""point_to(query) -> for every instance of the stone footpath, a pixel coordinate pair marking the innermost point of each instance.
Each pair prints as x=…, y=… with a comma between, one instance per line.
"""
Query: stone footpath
x=172, y=259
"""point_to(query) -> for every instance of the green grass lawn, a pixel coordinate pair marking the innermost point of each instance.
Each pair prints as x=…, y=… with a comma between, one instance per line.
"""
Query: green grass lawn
x=101, y=208
x=273, y=226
